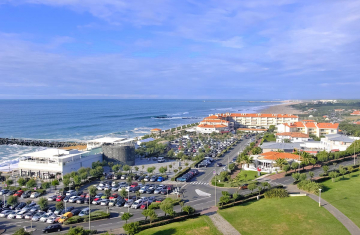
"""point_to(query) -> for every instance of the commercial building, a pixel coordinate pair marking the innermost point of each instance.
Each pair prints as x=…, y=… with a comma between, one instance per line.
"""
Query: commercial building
x=51, y=162
x=355, y=113
x=266, y=162
x=309, y=127
x=337, y=142
x=156, y=131
x=252, y=130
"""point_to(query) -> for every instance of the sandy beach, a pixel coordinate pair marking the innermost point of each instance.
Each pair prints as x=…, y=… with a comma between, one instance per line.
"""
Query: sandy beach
x=283, y=108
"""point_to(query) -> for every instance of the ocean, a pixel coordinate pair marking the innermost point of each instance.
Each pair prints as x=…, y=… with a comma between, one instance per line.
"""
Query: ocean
x=89, y=119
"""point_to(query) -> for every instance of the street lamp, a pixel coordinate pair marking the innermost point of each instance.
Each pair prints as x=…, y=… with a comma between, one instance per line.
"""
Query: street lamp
x=354, y=151
x=89, y=210
x=319, y=197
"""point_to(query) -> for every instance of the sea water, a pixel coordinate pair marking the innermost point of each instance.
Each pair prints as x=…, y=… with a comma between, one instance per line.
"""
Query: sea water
x=81, y=120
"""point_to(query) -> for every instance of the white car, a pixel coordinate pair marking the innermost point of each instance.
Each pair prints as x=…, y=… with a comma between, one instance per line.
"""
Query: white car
x=100, y=188
x=129, y=203
x=5, y=213
x=34, y=195
x=114, y=183
x=12, y=215
x=51, y=219
x=73, y=199
x=21, y=214
x=115, y=188
x=70, y=192
x=45, y=217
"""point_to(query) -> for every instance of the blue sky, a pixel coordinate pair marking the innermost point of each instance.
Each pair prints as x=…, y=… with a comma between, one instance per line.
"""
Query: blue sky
x=228, y=49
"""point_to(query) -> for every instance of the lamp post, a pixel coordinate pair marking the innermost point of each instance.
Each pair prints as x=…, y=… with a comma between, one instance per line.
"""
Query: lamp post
x=319, y=197
x=354, y=151
x=215, y=184
x=89, y=210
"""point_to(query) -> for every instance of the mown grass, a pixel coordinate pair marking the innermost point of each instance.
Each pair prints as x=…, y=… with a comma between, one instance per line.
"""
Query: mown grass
x=344, y=194
x=290, y=216
x=196, y=226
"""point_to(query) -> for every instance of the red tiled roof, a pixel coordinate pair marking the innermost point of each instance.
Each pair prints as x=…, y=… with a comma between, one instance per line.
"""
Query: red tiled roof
x=276, y=155
x=328, y=125
x=310, y=125
x=294, y=134
x=156, y=129
x=355, y=113
x=263, y=115
x=211, y=126
x=215, y=121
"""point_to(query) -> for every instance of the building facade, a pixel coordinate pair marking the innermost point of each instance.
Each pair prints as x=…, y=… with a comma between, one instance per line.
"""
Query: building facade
x=309, y=127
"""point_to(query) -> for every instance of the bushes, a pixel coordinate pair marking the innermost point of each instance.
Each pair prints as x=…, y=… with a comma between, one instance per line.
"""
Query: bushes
x=74, y=220
x=96, y=215
x=180, y=173
x=309, y=186
x=276, y=193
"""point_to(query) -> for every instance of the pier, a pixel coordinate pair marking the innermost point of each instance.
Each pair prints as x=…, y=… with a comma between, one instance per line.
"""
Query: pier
x=39, y=143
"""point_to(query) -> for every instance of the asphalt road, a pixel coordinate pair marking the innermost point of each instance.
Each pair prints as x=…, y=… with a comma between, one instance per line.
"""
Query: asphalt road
x=196, y=193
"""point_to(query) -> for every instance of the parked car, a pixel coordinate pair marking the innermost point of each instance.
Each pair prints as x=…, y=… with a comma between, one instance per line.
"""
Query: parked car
x=80, y=200
x=144, y=189
x=66, y=198
x=153, y=179
x=4, y=191
x=129, y=203
x=18, y=193
x=26, y=194
x=120, y=202
x=52, y=228
x=51, y=209
x=21, y=214
x=30, y=214
x=60, y=198
x=38, y=215
x=12, y=215
x=45, y=217
x=244, y=186
x=73, y=199
x=20, y=206
x=104, y=202
x=84, y=212
x=134, y=189
x=52, y=198
x=70, y=193
x=136, y=204
x=34, y=195
x=160, y=179
x=11, y=192
x=65, y=217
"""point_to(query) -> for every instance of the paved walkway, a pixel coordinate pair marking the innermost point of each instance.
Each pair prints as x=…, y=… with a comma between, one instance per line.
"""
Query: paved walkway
x=222, y=225
x=349, y=225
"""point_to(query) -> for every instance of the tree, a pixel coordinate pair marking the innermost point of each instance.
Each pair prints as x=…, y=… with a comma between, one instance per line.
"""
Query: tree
x=9, y=182
x=21, y=181
x=126, y=168
x=271, y=128
x=123, y=193
x=78, y=231
x=231, y=166
x=188, y=209
x=342, y=171
x=152, y=215
x=162, y=170
x=12, y=200
x=92, y=191
x=43, y=203
x=333, y=175
x=116, y=168
x=224, y=199
x=73, y=174
x=132, y=228
x=252, y=187
x=150, y=169
x=45, y=185
x=59, y=205
x=136, y=168
x=31, y=183
x=303, y=176
x=107, y=192
x=294, y=165
x=311, y=174
x=66, y=182
x=77, y=180
x=350, y=169
x=286, y=168
x=145, y=213
x=256, y=150
x=167, y=208
x=280, y=162
x=126, y=216
x=84, y=176
x=325, y=169
x=296, y=176
x=170, y=154
x=21, y=231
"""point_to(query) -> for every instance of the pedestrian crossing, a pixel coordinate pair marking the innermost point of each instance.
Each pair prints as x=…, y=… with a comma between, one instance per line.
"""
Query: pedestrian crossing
x=202, y=183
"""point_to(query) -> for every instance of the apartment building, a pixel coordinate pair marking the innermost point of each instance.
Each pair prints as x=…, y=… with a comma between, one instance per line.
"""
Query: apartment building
x=309, y=127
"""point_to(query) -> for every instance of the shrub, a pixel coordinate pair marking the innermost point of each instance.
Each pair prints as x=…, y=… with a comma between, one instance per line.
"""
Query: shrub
x=309, y=186
x=96, y=215
x=180, y=173
x=276, y=193
x=74, y=220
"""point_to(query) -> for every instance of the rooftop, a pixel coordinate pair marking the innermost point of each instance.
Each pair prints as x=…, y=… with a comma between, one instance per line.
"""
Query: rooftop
x=106, y=140
x=293, y=134
x=275, y=145
x=53, y=153
x=277, y=155
x=339, y=137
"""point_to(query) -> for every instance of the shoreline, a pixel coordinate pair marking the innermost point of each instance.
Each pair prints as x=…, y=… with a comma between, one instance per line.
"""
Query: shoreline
x=283, y=108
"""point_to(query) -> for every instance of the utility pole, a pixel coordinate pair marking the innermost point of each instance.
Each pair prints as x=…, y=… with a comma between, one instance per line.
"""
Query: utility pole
x=215, y=184
x=89, y=210
x=319, y=197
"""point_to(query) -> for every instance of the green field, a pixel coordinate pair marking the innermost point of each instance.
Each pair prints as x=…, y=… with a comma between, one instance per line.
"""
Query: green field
x=198, y=226
x=344, y=194
x=292, y=215
x=240, y=179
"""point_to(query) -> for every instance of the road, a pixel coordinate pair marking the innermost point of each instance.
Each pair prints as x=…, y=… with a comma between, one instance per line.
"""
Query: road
x=199, y=184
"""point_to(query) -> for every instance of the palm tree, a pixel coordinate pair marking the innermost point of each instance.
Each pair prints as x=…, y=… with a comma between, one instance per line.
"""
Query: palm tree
x=248, y=160
x=280, y=162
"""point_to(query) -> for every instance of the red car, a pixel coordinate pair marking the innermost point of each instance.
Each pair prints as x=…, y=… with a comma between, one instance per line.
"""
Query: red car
x=83, y=195
x=60, y=198
x=18, y=193
x=169, y=187
x=144, y=205
x=115, y=195
x=159, y=200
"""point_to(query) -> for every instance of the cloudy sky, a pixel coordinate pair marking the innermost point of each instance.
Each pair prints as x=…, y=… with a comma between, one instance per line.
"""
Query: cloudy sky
x=228, y=49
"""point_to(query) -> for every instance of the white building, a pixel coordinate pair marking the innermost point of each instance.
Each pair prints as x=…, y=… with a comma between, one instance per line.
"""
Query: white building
x=208, y=129
x=96, y=143
x=337, y=142
x=309, y=127
x=51, y=162
x=292, y=136
x=266, y=162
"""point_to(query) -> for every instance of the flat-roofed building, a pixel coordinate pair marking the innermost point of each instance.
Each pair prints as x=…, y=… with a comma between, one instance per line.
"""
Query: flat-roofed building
x=309, y=127
x=50, y=162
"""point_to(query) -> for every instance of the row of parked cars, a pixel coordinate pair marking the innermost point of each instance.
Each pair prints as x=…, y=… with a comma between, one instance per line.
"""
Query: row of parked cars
x=20, y=193
x=186, y=177
x=136, y=177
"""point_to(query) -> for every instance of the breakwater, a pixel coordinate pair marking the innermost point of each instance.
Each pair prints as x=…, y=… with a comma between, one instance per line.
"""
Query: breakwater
x=39, y=143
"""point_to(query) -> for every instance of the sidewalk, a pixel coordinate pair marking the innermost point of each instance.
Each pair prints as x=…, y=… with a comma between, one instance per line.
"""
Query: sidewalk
x=222, y=225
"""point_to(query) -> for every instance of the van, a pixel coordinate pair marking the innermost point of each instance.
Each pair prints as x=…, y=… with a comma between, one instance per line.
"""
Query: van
x=64, y=217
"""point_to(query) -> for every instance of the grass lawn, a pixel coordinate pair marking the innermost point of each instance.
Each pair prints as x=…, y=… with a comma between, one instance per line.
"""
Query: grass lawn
x=197, y=226
x=344, y=194
x=269, y=137
x=292, y=215
x=250, y=175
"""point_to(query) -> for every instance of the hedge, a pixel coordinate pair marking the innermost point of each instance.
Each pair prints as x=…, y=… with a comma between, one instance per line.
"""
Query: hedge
x=276, y=193
x=185, y=170
x=96, y=215
x=74, y=220
x=196, y=163
x=309, y=186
